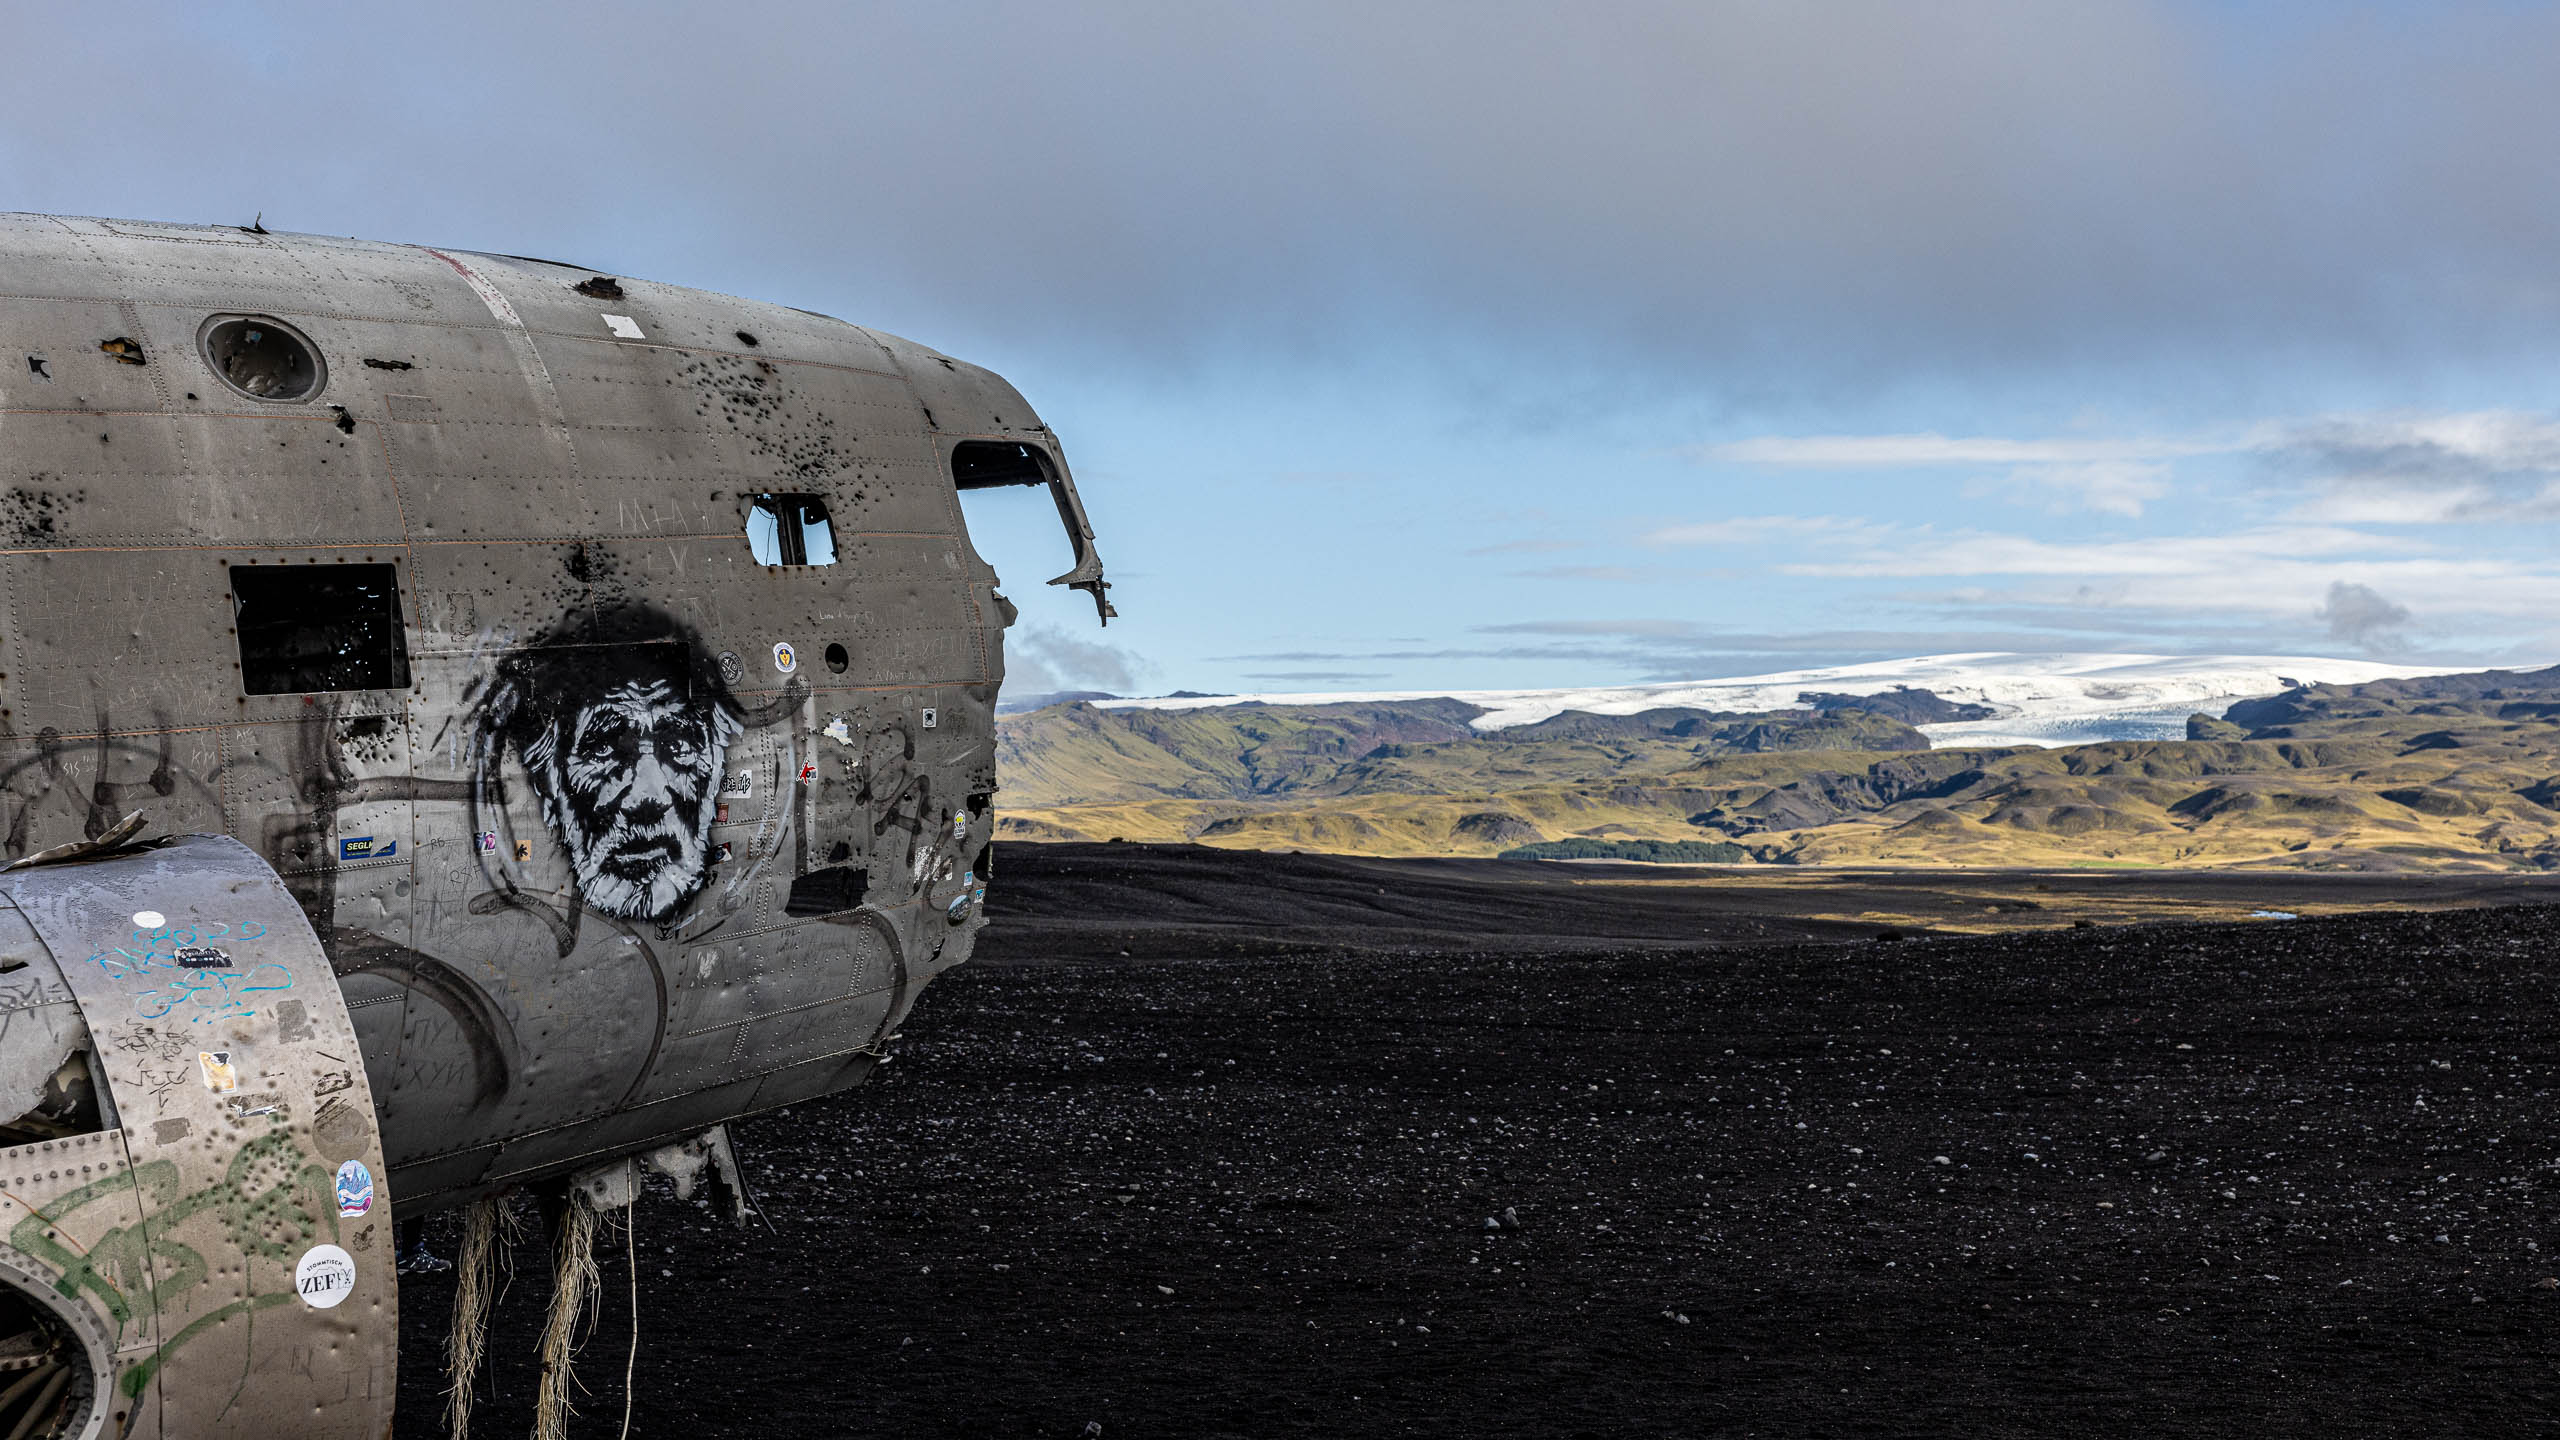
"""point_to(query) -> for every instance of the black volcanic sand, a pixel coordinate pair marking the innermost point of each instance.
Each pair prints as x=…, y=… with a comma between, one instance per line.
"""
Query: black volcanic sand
x=1069, y=901
x=2278, y=1178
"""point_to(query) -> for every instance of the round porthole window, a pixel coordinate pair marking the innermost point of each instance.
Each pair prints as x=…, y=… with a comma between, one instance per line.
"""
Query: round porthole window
x=263, y=359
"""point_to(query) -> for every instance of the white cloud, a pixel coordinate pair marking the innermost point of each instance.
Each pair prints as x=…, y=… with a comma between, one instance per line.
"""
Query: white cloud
x=2382, y=468
x=2456, y=445
x=1883, y=451
x=2109, y=487
x=1771, y=529
x=1924, y=551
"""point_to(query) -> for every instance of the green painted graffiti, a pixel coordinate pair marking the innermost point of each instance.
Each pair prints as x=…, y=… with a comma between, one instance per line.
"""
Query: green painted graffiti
x=270, y=1202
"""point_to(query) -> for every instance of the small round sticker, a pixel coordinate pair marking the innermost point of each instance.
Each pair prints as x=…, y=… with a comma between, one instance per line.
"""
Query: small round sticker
x=732, y=669
x=149, y=919
x=355, y=1190
x=785, y=659
x=325, y=1276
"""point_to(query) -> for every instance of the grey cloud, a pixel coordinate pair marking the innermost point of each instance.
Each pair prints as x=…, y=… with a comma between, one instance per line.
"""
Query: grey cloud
x=1779, y=200
x=1042, y=658
x=2493, y=466
x=2360, y=615
x=1316, y=676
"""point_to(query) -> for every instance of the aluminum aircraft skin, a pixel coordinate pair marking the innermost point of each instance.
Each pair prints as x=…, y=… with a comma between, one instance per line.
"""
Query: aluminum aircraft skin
x=560, y=712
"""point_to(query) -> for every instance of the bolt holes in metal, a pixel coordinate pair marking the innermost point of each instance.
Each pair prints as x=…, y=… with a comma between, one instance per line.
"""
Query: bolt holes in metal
x=263, y=358
x=837, y=659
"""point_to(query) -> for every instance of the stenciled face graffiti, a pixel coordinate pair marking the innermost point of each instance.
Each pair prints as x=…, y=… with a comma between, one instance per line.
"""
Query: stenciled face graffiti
x=621, y=723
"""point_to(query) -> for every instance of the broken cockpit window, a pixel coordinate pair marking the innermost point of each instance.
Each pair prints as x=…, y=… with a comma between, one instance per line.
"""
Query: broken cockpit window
x=790, y=530
x=311, y=628
x=987, y=464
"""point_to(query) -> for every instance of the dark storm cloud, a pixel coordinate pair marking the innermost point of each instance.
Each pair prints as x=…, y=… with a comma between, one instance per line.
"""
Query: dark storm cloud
x=1745, y=199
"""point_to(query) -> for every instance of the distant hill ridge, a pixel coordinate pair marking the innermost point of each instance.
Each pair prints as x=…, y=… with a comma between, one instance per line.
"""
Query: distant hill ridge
x=1077, y=754
x=2408, y=772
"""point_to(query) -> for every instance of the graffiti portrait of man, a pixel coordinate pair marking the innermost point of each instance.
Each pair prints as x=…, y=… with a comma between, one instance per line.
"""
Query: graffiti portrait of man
x=621, y=723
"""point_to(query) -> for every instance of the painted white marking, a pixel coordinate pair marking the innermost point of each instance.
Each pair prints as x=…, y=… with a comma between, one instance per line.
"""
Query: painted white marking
x=624, y=327
x=481, y=287
x=149, y=919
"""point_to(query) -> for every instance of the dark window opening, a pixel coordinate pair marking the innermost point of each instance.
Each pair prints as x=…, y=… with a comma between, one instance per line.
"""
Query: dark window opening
x=790, y=530
x=312, y=628
x=838, y=658
x=986, y=464
x=825, y=892
x=265, y=360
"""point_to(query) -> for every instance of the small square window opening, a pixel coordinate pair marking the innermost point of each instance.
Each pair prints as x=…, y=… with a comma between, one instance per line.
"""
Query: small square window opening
x=790, y=530
x=311, y=628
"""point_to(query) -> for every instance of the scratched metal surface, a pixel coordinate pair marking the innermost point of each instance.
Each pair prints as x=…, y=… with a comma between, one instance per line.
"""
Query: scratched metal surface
x=560, y=480
x=236, y=1236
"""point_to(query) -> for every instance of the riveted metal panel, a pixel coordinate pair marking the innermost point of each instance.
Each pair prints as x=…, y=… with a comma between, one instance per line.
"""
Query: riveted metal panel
x=263, y=1220
x=77, y=375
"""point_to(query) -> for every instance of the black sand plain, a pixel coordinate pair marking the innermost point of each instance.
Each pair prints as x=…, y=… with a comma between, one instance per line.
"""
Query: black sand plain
x=1217, y=1144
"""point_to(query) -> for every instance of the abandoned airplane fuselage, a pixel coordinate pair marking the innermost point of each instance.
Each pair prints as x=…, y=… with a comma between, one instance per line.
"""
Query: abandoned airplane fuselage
x=565, y=708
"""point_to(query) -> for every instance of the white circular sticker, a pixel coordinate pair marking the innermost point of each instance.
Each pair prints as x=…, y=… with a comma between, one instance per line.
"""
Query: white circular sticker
x=149, y=919
x=785, y=659
x=325, y=1276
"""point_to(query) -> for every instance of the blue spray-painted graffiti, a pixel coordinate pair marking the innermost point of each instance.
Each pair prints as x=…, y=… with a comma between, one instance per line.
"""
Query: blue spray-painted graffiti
x=199, y=991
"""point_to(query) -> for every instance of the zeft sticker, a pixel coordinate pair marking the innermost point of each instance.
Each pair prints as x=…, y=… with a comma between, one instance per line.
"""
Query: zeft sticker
x=324, y=1276
x=220, y=1075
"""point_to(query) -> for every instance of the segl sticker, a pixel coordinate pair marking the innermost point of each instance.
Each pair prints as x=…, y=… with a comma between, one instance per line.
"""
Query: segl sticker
x=325, y=1276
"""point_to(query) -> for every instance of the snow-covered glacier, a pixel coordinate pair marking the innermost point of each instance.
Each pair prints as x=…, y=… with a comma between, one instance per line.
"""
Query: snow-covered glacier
x=2065, y=699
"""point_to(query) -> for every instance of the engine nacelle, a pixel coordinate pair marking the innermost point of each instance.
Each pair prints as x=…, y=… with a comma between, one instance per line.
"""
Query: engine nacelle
x=195, y=1237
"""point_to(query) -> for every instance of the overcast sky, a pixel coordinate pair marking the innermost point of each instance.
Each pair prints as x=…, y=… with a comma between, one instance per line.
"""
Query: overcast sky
x=1484, y=344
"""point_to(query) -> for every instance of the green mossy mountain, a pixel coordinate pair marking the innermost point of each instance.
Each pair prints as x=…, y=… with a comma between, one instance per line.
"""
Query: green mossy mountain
x=2431, y=772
